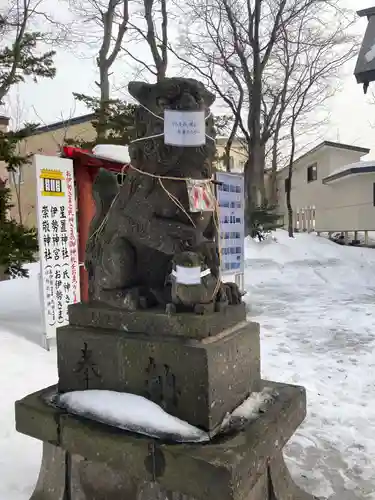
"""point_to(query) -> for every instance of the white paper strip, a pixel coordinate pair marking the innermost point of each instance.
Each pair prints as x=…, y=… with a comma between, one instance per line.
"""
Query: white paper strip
x=184, y=128
x=187, y=275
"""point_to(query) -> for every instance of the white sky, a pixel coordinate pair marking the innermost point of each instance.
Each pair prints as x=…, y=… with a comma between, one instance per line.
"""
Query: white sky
x=350, y=121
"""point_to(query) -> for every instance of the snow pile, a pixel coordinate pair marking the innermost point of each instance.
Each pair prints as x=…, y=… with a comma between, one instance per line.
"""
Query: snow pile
x=20, y=309
x=249, y=410
x=308, y=258
x=304, y=248
x=137, y=414
x=254, y=404
x=352, y=166
x=112, y=152
x=130, y=412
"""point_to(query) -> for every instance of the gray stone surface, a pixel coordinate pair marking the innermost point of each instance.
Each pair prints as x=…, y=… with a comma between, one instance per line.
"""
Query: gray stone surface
x=51, y=484
x=246, y=466
x=156, y=322
x=135, y=235
x=64, y=476
x=197, y=381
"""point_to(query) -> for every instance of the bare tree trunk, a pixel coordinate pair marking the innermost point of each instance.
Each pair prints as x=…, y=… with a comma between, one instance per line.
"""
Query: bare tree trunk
x=160, y=58
x=232, y=135
x=289, y=204
x=18, y=195
x=256, y=163
x=255, y=175
x=107, y=55
x=290, y=175
x=227, y=151
x=249, y=195
x=104, y=100
x=273, y=176
x=254, y=183
x=3, y=276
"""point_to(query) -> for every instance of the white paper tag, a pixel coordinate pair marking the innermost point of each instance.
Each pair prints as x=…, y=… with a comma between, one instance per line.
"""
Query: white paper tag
x=184, y=128
x=187, y=275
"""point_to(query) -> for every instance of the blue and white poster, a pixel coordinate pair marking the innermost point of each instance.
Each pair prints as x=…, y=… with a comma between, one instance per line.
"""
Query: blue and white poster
x=231, y=201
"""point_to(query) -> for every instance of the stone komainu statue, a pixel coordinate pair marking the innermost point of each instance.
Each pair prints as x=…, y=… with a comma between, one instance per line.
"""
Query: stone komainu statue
x=139, y=230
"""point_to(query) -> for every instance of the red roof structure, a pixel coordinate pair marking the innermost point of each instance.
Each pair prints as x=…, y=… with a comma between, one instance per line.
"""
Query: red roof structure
x=87, y=159
x=86, y=166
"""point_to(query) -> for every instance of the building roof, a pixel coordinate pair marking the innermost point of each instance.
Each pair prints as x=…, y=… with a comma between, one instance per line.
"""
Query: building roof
x=63, y=123
x=4, y=119
x=370, y=11
x=337, y=145
x=224, y=139
x=361, y=167
x=330, y=144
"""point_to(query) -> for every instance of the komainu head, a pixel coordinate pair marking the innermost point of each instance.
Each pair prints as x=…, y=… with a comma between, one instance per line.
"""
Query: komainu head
x=183, y=94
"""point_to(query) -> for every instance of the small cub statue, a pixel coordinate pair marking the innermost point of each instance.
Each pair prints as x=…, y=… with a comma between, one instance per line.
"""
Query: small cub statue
x=194, y=288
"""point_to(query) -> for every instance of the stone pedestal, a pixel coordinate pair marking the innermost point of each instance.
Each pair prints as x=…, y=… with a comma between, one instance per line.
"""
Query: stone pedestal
x=197, y=368
x=155, y=322
x=196, y=379
x=84, y=460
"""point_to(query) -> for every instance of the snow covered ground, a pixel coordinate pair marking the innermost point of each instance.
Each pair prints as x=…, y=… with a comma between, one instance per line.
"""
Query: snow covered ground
x=315, y=301
x=24, y=367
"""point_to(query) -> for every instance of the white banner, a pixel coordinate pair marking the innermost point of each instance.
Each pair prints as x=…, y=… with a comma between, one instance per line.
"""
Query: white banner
x=231, y=201
x=184, y=128
x=58, y=243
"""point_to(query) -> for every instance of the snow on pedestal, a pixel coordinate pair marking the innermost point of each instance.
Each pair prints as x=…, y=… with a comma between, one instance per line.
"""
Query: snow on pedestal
x=137, y=414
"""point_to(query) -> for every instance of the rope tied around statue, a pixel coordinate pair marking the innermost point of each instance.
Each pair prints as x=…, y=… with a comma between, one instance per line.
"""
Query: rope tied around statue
x=201, y=195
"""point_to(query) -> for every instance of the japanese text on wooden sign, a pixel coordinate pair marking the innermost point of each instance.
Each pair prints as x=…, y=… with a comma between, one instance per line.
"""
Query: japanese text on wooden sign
x=57, y=232
x=230, y=198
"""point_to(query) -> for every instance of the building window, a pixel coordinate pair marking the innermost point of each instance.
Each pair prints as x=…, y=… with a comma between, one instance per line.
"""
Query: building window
x=16, y=176
x=312, y=173
x=286, y=184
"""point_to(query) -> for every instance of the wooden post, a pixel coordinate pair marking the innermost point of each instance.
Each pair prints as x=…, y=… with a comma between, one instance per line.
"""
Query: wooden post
x=85, y=205
x=313, y=211
x=309, y=224
x=366, y=238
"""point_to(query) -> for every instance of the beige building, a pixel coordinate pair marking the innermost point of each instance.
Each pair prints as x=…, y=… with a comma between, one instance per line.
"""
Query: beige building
x=332, y=190
x=46, y=140
x=238, y=155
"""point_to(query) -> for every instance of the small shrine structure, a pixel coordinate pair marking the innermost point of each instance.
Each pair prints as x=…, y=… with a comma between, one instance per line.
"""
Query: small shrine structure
x=86, y=165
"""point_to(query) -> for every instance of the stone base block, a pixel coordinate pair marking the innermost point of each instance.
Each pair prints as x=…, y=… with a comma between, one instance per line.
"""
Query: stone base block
x=63, y=476
x=156, y=322
x=197, y=381
x=84, y=460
